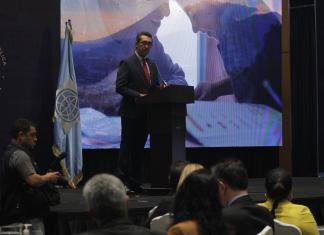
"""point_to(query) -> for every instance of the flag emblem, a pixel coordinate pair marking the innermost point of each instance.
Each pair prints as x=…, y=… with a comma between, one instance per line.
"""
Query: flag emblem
x=67, y=105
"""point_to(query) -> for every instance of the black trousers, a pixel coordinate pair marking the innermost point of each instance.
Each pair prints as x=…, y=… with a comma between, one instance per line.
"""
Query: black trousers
x=131, y=155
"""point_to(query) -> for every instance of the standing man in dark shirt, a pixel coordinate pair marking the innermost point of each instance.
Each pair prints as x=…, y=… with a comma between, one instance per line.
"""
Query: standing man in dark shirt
x=18, y=172
x=136, y=76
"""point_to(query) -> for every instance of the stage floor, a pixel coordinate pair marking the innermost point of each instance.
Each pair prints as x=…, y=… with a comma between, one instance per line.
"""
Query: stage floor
x=71, y=215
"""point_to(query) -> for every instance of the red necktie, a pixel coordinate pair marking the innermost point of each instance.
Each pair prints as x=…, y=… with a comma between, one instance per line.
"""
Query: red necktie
x=146, y=71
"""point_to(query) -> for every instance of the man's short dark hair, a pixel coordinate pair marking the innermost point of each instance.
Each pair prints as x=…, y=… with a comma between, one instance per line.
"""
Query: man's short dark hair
x=140, y=34
x=233, y=173
x=21, y=124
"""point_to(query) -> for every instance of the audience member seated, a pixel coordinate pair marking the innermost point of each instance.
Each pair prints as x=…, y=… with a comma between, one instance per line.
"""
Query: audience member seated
x=197, y=208
x=278, y=185
x=241, y=215
x=165, y=206
x=22, y=200
x=107, y=201
x=187, y=170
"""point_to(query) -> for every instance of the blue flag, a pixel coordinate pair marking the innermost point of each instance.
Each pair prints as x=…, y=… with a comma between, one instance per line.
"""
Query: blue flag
x=67, y=128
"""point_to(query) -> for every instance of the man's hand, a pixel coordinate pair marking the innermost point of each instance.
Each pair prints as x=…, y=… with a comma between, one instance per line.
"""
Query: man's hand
x=138, y=97
x=163, y=85
x=213, y=90
x=36, y=180
x=52, y=176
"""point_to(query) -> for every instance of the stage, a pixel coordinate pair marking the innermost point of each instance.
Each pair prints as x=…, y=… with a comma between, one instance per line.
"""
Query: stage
x=71, y=215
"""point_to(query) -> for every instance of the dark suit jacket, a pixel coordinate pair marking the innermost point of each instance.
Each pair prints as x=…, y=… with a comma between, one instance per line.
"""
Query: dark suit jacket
x=243, y=201
x=244, y=217
x=131, y=81
x=120, y=227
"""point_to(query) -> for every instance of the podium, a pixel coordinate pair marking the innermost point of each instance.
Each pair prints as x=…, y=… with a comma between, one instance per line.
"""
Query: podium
x=167, y=127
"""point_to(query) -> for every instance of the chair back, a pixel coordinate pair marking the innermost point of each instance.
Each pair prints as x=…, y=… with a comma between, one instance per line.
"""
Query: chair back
x=286, y=229
x=161, y=223
x=266, y=231
x=321, y=229
x=14, y=229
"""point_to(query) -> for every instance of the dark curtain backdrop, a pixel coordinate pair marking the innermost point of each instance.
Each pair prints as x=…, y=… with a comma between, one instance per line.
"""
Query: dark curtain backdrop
x=29, y=39
x=320, y=62
x=303, y=81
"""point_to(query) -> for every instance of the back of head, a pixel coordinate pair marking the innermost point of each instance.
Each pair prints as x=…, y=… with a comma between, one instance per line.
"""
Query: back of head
x=278, y=184
x=187, y=170
x=20, y=125
x=175, y=172
x=106, y=197
x=232, y=173
x=197, y=199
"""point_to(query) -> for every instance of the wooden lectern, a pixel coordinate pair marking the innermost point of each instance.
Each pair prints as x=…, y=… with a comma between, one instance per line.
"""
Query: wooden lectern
x=167, y=127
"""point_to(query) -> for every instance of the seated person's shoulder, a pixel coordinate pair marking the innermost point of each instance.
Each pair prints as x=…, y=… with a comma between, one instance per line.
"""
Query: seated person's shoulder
x=299, y=208
x=248, y=218
x=248, y=212
x=234, y=213
x=252, y=209
x=19, y=155
x=186, y=227
x=22, y=163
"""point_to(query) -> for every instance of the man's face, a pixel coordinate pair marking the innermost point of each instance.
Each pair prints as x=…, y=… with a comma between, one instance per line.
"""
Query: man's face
x=143, y=46
x=203, y=15
x=28, y=139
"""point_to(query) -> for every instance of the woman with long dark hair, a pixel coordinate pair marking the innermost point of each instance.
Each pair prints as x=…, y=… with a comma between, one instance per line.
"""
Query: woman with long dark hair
x=197, y=209
x=278, y=184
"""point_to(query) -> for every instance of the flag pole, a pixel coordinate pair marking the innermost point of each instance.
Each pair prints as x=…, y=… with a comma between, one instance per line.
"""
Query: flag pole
x=67, y=126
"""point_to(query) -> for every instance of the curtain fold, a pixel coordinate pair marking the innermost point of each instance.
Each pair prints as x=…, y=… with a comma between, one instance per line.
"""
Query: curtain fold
x=304, y=96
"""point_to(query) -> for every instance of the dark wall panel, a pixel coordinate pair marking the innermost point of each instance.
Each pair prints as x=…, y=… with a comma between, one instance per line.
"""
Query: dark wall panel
x=30, y=44
x=320, y=62
x=303, y=81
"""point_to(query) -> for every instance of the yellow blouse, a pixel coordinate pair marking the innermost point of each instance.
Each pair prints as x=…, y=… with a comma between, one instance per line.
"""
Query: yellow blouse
x=295, y=214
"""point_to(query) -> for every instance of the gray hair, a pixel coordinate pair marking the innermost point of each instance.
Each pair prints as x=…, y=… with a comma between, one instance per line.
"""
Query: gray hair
x=106, y=196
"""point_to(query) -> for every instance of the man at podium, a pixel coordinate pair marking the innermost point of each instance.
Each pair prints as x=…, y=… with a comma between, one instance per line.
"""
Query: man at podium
x=136, y=76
